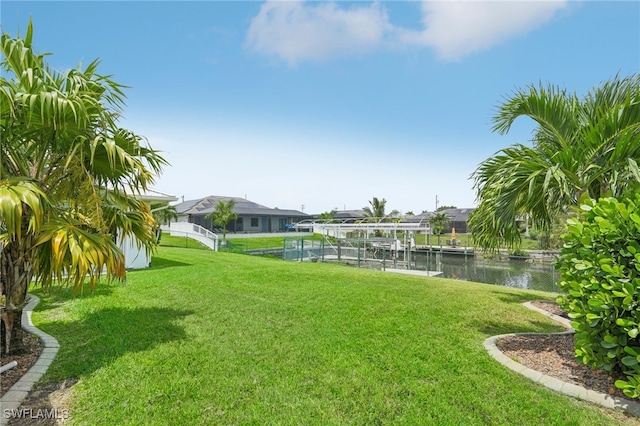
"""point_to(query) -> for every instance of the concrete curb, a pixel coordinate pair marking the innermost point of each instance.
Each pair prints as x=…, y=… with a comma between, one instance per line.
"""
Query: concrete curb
x=19, y=391
x=557, y=385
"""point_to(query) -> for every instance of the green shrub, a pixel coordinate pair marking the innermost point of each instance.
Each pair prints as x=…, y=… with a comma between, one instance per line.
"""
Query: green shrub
x=600, y=266
x=518, y=253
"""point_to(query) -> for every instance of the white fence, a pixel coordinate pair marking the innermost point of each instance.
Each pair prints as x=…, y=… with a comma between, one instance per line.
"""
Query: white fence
x=340, y=230
x=193, y=231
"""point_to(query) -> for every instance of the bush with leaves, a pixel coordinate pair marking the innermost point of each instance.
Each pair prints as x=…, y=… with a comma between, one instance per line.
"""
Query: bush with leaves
x=600, y=266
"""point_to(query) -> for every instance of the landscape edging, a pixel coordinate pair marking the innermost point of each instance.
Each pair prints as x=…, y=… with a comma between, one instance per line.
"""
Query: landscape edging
x=14, y=397
x=557, y=385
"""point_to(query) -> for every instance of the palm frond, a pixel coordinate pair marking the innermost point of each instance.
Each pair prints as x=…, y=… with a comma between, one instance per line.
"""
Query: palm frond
x=22, y=207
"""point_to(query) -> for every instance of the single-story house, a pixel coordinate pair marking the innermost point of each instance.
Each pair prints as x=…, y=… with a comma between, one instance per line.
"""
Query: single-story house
x=252, y=217
x=458, y=218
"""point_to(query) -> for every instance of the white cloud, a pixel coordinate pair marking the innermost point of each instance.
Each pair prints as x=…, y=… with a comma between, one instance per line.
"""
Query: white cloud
x=456, y=29
x=297, y=31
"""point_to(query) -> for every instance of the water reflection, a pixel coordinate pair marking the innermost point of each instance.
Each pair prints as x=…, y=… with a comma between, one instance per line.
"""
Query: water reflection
x=509, y=273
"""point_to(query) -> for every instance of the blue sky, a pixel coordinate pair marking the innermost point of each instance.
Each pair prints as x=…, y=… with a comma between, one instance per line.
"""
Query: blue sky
x=329, y=104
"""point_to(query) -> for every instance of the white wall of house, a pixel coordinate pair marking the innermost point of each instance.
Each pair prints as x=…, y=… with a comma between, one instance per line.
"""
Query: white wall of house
x=134, y=257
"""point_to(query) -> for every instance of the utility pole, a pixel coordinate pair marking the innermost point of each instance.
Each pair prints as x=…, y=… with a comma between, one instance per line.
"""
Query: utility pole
x=436, y=203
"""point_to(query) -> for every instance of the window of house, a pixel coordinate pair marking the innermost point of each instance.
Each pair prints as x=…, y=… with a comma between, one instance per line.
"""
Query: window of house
x=254, y=222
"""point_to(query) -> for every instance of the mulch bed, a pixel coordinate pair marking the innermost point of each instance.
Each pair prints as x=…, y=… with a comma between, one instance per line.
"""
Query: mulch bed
x=26, y=358
x=553, y=355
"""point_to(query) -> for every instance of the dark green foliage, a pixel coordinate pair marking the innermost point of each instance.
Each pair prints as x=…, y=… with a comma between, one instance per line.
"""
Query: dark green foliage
x=600, y=266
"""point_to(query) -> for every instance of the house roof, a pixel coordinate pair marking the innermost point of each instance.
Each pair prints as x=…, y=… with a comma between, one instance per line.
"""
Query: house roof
x=455, y=215
x=458, y=215
x=206, y=205
x=349, y=214
x=345, y=215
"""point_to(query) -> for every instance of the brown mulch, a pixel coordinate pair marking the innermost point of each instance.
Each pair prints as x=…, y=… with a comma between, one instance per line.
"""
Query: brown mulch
x=551, y=307
x=25, y=358
x=553, y=355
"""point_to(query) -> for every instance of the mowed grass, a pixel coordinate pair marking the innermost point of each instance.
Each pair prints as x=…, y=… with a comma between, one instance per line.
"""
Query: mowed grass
x=207, y=338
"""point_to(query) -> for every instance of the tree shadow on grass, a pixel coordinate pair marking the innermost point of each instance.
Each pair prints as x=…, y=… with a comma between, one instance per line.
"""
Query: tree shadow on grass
x=55, y=296
x=495, y=327
x=518, y=297
x=163, y=263
x=102, y=336
x=529, y=322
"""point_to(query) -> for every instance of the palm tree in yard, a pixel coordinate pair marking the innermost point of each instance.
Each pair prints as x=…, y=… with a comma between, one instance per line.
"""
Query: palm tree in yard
x=68, y=178
x=163, y=213
x=439, y=221
x=375, y=211
x=582, y=146
x=222, y=215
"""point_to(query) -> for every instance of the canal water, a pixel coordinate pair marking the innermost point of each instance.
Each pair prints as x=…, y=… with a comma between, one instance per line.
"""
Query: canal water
x=510, y=273
x=516, y=273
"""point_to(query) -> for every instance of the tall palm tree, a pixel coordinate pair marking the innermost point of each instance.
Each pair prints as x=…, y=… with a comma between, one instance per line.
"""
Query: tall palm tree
x=69, y=176
x=580, y=146
x=222, y=215
x=375, y=211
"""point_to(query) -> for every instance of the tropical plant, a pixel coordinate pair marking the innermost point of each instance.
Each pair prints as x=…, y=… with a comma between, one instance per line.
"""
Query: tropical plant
x=439, y=221
x=327, y=216
x=375, y=211
x=580, y=146
x=441, y=208
x=163, y=213
x=223, y=214
x=600, y=266
x=69, y=176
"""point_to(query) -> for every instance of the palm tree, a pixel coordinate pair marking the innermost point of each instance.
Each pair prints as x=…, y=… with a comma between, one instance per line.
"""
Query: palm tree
x=439, y=221
x=375, y=211
x=222, y=215
x=327, y=217
x=585, y=146
x=68, y=178
x=163, y=213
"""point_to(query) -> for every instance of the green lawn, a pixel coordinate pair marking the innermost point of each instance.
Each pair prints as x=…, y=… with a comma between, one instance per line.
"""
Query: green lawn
x=244, y=243
x=216, y=338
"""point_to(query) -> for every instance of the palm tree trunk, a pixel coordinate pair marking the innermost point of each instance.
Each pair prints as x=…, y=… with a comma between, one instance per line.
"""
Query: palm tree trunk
x=16, y=269
x=11, y=340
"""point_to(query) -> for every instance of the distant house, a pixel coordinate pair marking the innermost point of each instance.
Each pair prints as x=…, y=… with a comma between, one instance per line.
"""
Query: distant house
x=252, y=217
x=349, y=216
x=458, y=218
x=345, y=216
